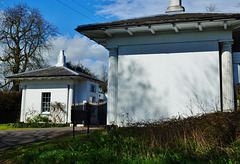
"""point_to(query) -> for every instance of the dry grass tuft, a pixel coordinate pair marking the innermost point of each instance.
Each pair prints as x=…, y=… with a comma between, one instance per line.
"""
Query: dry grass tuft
x=199, y=136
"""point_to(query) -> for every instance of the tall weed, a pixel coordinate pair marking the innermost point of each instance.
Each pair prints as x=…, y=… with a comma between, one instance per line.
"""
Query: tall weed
x=210, y=138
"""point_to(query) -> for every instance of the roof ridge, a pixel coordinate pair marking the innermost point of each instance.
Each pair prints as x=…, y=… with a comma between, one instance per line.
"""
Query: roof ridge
x=82, y=74
x=70, y=70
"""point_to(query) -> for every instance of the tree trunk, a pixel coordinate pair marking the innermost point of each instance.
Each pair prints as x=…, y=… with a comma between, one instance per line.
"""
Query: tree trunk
x=15, y=86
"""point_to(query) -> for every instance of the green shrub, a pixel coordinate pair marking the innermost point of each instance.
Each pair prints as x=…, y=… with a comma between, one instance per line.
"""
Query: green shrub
x=38, y=119
x=10, y=101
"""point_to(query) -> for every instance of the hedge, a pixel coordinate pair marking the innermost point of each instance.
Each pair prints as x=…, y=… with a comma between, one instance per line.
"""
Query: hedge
x=10, y=106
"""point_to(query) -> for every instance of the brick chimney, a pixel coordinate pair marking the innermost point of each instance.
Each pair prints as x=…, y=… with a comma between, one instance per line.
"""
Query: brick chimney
x=175, y=6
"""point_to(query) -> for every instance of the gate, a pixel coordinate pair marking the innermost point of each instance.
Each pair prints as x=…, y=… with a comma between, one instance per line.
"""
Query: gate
x=238, y=96
x=89, y=113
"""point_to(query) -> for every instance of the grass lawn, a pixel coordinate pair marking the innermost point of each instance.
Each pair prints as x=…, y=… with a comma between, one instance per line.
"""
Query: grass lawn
x=18, y=126
x=98, y=147
x=103, y=147
x=210, y=138
x=5, y=127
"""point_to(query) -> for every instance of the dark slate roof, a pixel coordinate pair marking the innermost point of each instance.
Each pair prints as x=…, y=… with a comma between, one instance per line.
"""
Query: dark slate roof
x=53, y=72
x=159, y=19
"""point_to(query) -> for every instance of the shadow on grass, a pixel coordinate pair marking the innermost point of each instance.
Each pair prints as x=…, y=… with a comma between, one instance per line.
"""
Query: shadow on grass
x=12, y=139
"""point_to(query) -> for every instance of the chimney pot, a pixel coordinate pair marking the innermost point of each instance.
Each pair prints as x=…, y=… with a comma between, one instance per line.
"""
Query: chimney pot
x=61, y=59
x=175, y=6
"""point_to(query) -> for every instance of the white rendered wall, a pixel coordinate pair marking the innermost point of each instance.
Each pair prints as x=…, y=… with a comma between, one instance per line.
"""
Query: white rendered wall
x=33, y=96
x=152, y=86
x=94, y=118
x=94, y=94
x=80, y=91
x=236, y=71
x=83, y=93
x=168, y=74
x=64, y=91
x=236, y=68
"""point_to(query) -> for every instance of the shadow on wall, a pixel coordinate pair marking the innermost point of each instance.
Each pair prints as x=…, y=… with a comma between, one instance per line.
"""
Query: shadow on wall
x=137, y=98
x=200, y=84
x=155, y=86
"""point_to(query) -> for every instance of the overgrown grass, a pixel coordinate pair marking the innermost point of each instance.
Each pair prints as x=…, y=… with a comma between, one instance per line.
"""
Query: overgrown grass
x=211, y=138
x=18, y=126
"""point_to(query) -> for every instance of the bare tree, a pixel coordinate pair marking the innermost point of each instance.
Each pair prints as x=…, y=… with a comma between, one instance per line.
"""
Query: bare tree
x=211, y=8
x=104, y=78
x=24, y=34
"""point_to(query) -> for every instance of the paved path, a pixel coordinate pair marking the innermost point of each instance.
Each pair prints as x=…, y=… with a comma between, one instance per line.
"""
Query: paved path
x=11, y=139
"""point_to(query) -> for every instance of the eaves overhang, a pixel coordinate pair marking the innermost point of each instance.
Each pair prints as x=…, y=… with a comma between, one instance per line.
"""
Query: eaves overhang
x=41, y=78
x=31, y=78
x=70, y=77
x=168, y=23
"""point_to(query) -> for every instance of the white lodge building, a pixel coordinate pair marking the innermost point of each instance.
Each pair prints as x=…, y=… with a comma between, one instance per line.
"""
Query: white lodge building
x=169, y=65
x=43, y=87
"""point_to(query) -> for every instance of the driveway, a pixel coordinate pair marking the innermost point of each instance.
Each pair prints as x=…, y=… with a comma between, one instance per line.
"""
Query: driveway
x=11, y=139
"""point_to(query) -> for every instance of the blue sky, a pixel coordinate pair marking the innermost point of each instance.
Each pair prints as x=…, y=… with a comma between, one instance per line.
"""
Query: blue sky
x=64, y=18
x=79, y=48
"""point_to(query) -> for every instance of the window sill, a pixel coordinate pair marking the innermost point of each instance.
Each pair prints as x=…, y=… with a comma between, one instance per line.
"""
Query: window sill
x=45, y=113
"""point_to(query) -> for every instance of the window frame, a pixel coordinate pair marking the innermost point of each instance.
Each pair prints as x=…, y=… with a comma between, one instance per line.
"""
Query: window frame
x=94, y=86
x=92, y=99
x=46, y=108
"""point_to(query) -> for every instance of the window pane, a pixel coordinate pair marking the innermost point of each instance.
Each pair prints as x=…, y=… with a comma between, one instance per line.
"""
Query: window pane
x=92, y=88
x=46, y=99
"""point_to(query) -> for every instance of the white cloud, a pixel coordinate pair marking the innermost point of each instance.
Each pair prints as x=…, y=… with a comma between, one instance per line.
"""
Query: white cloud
x=124, y=9
x=225, y=6
x=79, y=49
x=94, y=65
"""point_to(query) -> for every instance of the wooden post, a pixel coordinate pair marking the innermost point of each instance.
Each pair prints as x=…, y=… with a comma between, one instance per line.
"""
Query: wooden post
x=86, y=109
x=73, y=130
x=73, y=121
x=88, y=116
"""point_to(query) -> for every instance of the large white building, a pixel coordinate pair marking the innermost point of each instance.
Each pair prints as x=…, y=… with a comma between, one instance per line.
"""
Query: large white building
x=169, y=65
x=41, y=88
